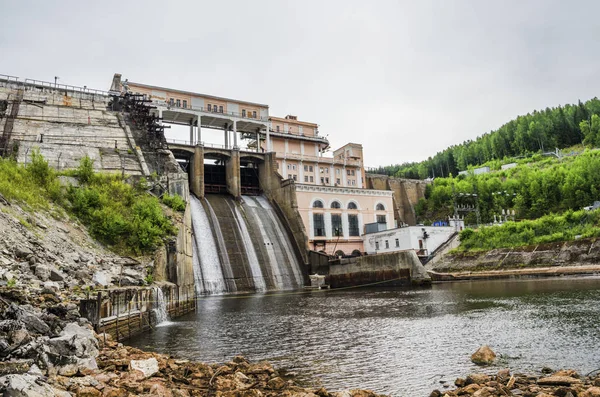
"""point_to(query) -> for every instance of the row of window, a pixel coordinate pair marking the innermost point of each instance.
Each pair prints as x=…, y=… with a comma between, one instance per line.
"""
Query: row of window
x=177, y=102
x=335, y=204
x=351, y=206
x=337, y=228
x=387, y=244
x=249, y=114
x=210, y=107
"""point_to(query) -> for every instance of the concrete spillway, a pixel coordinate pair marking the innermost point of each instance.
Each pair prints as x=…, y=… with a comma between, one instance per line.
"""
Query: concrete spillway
x=241, y=247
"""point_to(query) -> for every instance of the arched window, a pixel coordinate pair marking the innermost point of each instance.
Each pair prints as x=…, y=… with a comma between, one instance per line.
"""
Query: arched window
x=339, y=253
x=380, y=207
x=356, y=253
x=352, y=206
x=318, y=204
x=336, y=204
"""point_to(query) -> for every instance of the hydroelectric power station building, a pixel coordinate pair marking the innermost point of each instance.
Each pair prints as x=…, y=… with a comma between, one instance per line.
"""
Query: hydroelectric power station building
x=329, y=191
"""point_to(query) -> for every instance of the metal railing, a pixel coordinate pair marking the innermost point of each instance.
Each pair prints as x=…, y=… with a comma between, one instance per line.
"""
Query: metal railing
x=50, y=85
x=173, y=106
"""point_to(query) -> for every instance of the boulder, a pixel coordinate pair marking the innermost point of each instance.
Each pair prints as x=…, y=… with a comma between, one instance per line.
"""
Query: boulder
x=101, y=278
x=558, y=381
x=478, y=379
x=76, y=350
x=593, y=391
x=32, y=322
x=147, y=367
x=56, y=275
x=42, y=272
x=50, y=287
x=27, y=385
x=276, y=383
x=23, y=252
x=483, y=356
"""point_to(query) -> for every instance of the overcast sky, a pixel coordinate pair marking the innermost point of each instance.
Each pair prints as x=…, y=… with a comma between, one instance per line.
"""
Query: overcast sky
x=404, y=78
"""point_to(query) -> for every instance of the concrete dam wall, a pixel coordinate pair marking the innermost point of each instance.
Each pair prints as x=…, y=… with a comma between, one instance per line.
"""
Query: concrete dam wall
x=407, y=193
x=241, y=246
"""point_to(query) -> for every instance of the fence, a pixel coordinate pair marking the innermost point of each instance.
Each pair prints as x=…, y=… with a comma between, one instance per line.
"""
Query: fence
x=125, y=312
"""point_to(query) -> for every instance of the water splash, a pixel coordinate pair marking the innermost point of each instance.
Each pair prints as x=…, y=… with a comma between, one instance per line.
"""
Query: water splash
x=207, y=266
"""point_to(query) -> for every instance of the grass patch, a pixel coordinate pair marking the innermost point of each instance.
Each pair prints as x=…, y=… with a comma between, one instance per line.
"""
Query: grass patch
x=126, y=218
x=546, y=229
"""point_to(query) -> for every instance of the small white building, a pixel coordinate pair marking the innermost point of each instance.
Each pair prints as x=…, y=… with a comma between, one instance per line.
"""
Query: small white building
x=423, y=239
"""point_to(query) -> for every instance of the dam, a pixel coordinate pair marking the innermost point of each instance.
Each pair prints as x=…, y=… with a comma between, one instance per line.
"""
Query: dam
x=241, y=246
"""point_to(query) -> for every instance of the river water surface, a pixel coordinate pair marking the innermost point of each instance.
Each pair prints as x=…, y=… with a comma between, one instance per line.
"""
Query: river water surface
x=404, y=342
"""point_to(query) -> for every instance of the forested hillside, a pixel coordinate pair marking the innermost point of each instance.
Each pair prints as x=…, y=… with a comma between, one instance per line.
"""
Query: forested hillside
x=533, y=189
x=540, y=131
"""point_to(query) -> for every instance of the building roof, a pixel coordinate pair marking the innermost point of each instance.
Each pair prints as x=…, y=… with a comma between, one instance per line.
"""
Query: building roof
x=292, y=121
x=195, y=94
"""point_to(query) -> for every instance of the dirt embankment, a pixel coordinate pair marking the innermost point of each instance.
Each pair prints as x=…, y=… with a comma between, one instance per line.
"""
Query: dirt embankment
x=565, y=258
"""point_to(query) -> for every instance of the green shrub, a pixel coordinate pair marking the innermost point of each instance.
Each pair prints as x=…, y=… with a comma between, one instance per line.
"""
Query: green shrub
x=85, y=171
x=175, y=202
x=547, y=229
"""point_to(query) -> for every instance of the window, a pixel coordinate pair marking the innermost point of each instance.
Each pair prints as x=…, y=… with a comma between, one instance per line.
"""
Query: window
x=318, y=204
x=397, y=243
x=294, y=176
x=336, y=225
x=171, y=101
x=305, y=178
x=220, y=109
x=352, y=206
x=319, y=224
x=254, y=114
x=387, y=244
x=381, y=219
x=288, y=166
x=321, y=170
x=310, y=168
x=337, y=171
x=178, y=103
x=337, y=181
x=353, y=225
x=376, y=245
x=348, y=172
x=306, y=168
x=336, y=204
x=327, y=170
x=184, y=104
x=215, y=108
x=352, y=182
x=380, y=207
x=277, y=128
x=294, y=167
x=311, y=179
x=327, y=181
x=322, y=180
x=244, y=115
x=209, y=107
x=352, y=172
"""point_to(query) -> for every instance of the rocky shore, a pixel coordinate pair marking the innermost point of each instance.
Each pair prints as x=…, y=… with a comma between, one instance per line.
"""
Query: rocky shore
x=46, y=349
x=564, y=383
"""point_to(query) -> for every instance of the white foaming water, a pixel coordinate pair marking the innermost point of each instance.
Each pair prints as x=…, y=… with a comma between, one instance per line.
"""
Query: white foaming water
x=207, y=266
x=225, y=263
x=283, y=237
x=257, y=276
x=160, y=309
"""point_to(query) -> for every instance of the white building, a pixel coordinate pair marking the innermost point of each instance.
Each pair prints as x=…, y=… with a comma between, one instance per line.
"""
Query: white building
x=423, y=239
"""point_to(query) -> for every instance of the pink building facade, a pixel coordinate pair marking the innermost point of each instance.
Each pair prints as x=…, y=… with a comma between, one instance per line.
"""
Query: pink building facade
x=332, y=200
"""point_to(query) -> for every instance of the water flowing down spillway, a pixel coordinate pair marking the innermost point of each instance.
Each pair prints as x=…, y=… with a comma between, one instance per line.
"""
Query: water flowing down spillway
x=241, y=247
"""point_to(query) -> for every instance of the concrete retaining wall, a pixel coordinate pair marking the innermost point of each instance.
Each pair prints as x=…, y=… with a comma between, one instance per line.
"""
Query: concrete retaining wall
x=398, y=268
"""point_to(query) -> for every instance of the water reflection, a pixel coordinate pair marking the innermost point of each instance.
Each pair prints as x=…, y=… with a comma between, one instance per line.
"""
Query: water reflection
x=396, y=341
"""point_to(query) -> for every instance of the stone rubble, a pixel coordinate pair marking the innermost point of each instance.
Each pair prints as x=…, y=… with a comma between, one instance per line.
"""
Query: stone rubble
x=48, y=350
x=564, y=383
x=40, y=252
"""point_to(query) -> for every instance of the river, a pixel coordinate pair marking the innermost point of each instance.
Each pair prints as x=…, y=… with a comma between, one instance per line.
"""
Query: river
x=404, y=342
